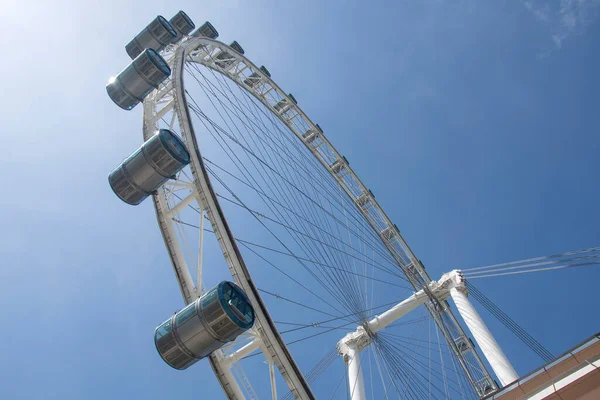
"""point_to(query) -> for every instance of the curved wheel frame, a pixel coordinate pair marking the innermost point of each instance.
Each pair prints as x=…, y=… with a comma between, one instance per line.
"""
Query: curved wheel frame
x=170, y=98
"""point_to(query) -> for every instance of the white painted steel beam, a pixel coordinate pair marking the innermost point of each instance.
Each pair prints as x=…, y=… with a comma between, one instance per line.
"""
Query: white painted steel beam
x=243, y=351
x=450, y=284
x=398, y=311
x=200, y=50
x=355, y=376
x=484, y=338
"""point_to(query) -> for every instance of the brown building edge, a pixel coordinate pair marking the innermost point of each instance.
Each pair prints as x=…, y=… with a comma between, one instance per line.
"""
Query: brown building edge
x=574, y=374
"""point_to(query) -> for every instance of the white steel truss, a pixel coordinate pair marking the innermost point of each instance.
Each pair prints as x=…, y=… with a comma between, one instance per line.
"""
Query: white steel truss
x=171, y=98
x=451, y=284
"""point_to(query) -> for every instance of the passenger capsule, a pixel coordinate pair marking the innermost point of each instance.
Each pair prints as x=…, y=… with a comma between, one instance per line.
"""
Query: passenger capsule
x=207, y=324
x=265, y=71
x=224, y=60
x=138, y=79
x=183, y=25
x=155, y=36
x=255, y=78
x=237, y=47
x=206, y=30
x=161, y=157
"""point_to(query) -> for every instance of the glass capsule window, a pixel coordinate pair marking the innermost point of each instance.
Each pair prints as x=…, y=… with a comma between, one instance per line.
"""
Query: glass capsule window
x=208, y=298
x=235, y=298
x=164, y=329
x=186, y=314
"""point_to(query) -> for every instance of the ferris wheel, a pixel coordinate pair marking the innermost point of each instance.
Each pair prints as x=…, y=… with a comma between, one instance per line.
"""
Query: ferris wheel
x=224, y=144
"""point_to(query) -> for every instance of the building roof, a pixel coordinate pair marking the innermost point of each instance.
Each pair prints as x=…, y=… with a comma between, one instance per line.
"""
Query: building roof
x=574, y=374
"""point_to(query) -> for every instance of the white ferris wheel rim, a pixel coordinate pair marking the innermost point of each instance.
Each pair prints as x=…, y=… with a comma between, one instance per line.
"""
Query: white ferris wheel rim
x=295, y=380
x=271, y=342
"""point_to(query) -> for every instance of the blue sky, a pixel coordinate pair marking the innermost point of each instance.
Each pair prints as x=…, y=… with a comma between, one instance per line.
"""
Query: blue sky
x=476, y=125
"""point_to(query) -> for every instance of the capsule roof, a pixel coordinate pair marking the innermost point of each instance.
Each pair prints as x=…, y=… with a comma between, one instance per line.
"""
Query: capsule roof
x=167, y=25
x=174, y=145
x=237, y=47
x=157, y=60
x=236, y=304
x=182, y=27
x=265, y=71
x=207, y=26
x=187, y=19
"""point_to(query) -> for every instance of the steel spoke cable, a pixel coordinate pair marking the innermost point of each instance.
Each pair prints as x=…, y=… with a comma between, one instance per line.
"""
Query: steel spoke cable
x=354, y=305
x=268, y=115
x=278, y=269
x=322, y=366
x=371, y=245
x=300, y=185
x=409, y=347
x=320, y=169
x=277, y=296
x=386, y=365
x=287, y=248
x=303, y=339
x=405, y=350
x=245, y=149
x=400, y=355
x=437, y=333
x=295, y=230
x=317, y=263
x=310, y=325
x=262, y=215
x=407, y=322
x=415, y=348
x=513, y=326
x=372, y=352
x=527, y=339
x=400, y=371
x=338, y=385
x=535, y=270
x=355, y=281
x=297, y=215
x=534, y=265
x=248, y=243
x=242, y=168
x=322, y=332
x=397, y=369
x=338, y=318
x=413, y=341
x=324, y=363
x=318, y=334
x=351, y=282
x=362, y=221
x=553, y=256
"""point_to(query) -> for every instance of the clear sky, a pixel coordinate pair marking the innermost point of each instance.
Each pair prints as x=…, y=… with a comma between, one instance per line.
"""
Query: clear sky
x=475, y=123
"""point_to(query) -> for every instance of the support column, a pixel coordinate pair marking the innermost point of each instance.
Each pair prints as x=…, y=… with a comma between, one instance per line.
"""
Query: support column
x=355, y=376
x=354, y=342
x=488, y=345
x=272, y=377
